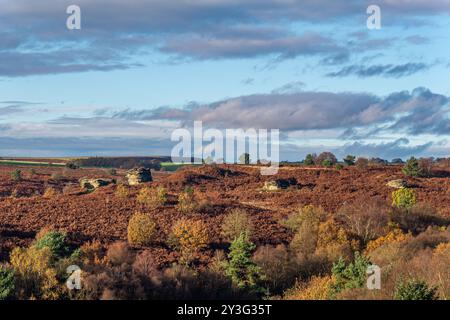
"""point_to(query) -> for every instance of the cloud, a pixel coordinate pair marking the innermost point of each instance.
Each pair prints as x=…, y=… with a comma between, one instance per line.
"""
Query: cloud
x=399, y=148
x=10, y=107
x=34, y=39
x=416, y=112
x=285, y=47
x=393, y=71
x=77, y=147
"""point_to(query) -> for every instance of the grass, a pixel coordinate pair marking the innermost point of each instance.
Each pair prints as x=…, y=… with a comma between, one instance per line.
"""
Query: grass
x=170, y=166
x=30, y=163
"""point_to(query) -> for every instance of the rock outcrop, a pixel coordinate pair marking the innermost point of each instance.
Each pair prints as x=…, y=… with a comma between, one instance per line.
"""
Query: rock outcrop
x=138, y=176
x=397, y=184
x=93, y=184
x=273, y=185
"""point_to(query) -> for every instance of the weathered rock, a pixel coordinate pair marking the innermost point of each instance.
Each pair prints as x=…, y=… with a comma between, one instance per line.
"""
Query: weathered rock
x=273, y=185
x=138, y=176
x=93, y=184
x=270, y=186
x=397, y=184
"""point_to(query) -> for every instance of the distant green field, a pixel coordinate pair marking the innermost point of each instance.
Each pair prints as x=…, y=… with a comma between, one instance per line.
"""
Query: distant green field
x=170, y=166
x=30, y=163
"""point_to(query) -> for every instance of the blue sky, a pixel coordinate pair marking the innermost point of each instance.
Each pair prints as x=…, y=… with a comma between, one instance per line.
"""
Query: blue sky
x=137, y=70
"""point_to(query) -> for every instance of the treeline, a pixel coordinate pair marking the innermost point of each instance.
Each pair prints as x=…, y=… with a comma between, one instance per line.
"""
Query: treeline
x=121, y=162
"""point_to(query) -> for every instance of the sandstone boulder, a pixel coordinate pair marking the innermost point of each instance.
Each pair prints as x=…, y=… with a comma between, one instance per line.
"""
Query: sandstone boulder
x=273, y=185
x=397, y=184
x=138, y=176
x=93, y=184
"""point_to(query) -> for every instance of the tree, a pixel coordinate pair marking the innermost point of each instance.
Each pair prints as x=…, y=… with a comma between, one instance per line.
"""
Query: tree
x=244, y=158
x=236, y=223
x=349, y=276
x=6, y=283
x=55, y=241
x=349, y=160
x=412, y=168
x=397, y=161
x=16, y=175
x=243, y=272
x=362, y=163
x=309, y=160
x=326, y=158
x=415, y=290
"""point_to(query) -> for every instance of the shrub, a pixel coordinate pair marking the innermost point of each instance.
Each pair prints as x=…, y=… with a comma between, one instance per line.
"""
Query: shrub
x=16, y=175
x=34, y=273
x=186, y=202
x=412, y=168
x=7, y=284
x=395, y=236
x=122, y=191
x=318, y=288
x=141, y=229
x=57, y=176
x=50, y=192
x=339, y=166
x=349, y=276
x=55, y=241
x=72, y=166
x=112, y=172
x=404, y=198
x=415, y=290
x=327, y=163
x=152, y=198
x=235, y=223
x=362, y=163
x=92, y=253
x=240, y=268
x=189, y=237
x=349, y=160
x=418, y=218
x=306, y=213
x=119, y=253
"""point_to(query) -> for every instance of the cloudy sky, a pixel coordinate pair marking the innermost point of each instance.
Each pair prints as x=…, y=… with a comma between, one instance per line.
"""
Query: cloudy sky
x=139, y=69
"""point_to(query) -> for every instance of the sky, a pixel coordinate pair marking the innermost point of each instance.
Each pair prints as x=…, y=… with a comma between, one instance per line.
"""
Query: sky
x=138, y=70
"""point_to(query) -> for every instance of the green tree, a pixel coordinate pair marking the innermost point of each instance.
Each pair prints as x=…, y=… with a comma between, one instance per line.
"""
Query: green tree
x=6, y=282
x=349, y=160
x=412, y=168
x=350, y=276
x=243, y=272
x=16, y=175
x=56, y=242
x=309, y=160
x=415, y=290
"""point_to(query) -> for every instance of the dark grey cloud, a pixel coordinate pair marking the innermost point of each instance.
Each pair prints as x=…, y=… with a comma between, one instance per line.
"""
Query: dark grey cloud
x=203, y=29
x=389, y=70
